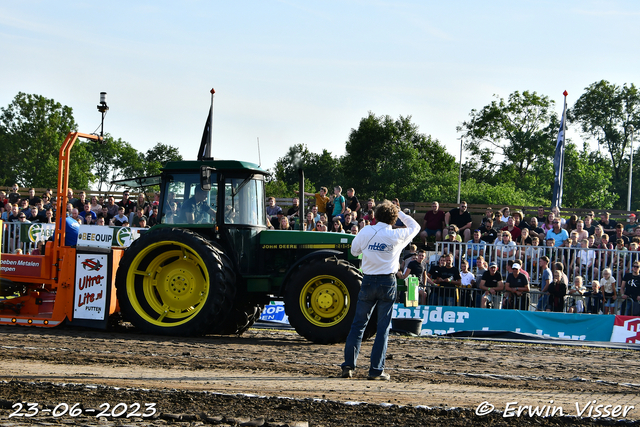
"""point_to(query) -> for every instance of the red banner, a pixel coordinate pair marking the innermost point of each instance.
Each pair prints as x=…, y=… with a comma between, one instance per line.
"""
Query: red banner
x=626, y=329
x=21, y=265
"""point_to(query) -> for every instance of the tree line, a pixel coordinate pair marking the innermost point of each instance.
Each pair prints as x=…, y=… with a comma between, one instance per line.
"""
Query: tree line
x=32, y=129
x=509, y=144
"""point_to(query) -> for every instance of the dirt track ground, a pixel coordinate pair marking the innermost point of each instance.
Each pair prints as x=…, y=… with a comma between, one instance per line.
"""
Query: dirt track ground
x=277, y=378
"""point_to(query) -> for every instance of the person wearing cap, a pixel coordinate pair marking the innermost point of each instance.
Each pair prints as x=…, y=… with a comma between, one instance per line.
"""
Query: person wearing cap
x=517, y=285
x=630, y=225
x=491, y=283
x=518, y=220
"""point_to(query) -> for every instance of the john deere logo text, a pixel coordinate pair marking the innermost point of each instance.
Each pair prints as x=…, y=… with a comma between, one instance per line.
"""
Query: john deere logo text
x=91, y=264
x=382, y=247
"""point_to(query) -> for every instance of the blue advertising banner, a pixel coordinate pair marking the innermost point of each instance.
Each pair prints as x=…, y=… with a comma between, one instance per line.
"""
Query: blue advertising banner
x=443, y=320
x=274, y=312
x=438, y=320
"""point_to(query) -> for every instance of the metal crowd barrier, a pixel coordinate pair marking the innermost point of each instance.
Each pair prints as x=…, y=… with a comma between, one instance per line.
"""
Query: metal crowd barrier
x=533, y=300
x=572, y=259
x=587, y=263
x=11, y=239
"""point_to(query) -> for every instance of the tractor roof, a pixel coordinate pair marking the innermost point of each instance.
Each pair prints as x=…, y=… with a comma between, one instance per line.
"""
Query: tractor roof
x=226, y=165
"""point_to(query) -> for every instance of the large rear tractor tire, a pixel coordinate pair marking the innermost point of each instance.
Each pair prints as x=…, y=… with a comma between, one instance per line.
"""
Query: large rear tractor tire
x=321, y=299
x=172, y=281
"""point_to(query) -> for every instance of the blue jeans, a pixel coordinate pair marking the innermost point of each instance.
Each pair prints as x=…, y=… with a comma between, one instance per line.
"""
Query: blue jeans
x=375, y=291
x=543, y=302
x=631, y=307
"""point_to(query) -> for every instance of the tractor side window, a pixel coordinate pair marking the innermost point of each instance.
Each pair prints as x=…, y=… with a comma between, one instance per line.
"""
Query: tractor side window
x=244, y=202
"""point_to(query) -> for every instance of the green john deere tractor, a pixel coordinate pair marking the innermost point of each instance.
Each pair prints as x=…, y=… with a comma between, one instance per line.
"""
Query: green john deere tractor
x=211, y=265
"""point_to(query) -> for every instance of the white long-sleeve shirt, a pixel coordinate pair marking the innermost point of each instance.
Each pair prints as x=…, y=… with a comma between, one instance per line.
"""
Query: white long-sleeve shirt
x=380, y=245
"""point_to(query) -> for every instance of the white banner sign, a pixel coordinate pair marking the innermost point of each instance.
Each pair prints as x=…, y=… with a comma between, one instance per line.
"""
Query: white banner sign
x=90, y=300
x=95, y=236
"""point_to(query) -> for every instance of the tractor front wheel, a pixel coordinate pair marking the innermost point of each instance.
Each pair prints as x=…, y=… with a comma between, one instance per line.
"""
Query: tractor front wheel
x=320, y=299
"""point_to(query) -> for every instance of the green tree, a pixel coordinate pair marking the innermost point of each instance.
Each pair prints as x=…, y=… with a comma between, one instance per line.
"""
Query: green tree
x=605, y=113
x=280, y=189
x=114, y=160
x=388, y=158
x=156, y=157
x=587, y=180
x=32, y=129
x=510, y=139
x=322, y=170
x=501, y=194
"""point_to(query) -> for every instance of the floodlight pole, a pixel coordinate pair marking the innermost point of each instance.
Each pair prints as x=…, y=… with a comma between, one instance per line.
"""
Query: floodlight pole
x=460, y=172
x=630, y=170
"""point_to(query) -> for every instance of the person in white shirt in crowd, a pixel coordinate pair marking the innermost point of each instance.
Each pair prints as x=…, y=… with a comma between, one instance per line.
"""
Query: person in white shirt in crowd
x=467, y=281
x=585, y=261
x=609, y=290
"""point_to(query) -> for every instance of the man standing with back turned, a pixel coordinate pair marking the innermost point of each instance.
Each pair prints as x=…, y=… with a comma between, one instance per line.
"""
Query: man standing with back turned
x=380, y=246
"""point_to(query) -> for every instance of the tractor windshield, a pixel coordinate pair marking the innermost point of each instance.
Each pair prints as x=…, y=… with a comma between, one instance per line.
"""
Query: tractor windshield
x=244, y=201
x=184, y=202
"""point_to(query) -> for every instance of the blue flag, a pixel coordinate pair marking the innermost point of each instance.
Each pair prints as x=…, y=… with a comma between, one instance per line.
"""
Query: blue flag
x=558, y=161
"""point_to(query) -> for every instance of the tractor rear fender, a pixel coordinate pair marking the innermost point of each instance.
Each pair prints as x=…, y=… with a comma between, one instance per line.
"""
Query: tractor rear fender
x=323, y=253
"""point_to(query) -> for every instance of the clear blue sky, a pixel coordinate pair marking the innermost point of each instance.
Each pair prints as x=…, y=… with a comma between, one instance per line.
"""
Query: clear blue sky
x=293, y=72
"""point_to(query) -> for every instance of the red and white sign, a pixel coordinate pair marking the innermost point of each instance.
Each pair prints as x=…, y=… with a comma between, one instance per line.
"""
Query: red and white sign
x=21, y=265
x=626, y=329
x=90, y=301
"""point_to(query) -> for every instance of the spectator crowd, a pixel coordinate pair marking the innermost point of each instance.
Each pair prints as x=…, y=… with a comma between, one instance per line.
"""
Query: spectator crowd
x=544, y=262
x=94, y=211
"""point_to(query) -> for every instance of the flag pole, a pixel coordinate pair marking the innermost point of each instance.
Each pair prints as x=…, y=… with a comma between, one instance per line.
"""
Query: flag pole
x=204, y=152
x=210, y=142
x=558, y=159
x=564, y=137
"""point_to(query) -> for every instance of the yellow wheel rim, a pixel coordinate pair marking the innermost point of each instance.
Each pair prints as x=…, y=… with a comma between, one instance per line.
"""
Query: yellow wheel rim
x=167, y=284
x=324, y=301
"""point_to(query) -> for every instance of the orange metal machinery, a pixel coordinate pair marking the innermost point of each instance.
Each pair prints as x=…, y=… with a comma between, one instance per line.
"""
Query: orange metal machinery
x=46, y=283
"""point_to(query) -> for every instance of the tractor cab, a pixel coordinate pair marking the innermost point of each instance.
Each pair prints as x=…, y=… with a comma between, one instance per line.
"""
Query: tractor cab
x=220, y=199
